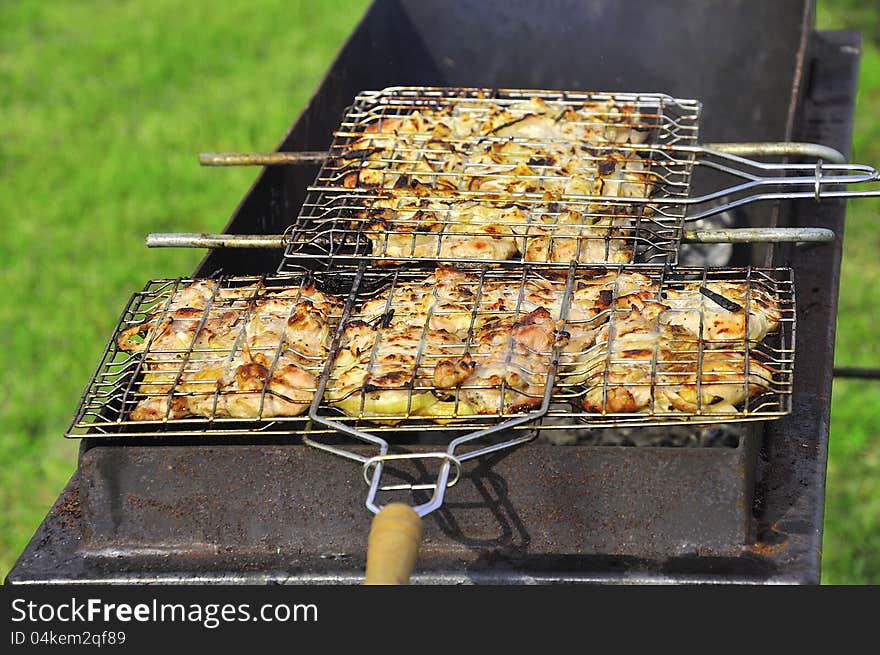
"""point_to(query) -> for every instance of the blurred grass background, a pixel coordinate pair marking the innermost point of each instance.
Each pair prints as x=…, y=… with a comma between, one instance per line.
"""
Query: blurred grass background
x=104, y=107
x=851, y=538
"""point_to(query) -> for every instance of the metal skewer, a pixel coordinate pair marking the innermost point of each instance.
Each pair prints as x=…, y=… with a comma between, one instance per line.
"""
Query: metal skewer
x=275, y=241
x=260, y=158
x=813, y=150
x=760, y=235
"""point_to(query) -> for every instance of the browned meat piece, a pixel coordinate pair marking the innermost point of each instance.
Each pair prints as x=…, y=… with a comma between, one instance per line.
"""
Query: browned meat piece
x=386, y=372
x=488, y=341
x=236, y=352
x=441, y=178
x=655, y=358
x=719, y=323
x=508, y=365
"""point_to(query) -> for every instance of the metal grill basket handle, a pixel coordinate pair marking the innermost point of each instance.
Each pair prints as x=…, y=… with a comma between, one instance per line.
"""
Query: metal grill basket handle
x=452, y=457
x=762, y=181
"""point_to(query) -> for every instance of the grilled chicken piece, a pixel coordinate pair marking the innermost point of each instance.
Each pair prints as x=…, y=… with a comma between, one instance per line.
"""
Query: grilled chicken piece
x=185, y=321
x=458, y=230
x=621, y=337
x=532, y=126
x=388, y=370
x=402, y=225
x=515, y=354
x=558, y=169
x=508, y=367
x=292, y=322
x=570, y=236
x=722, y=382
x=244, y=387
x=648, y=360
x=618, y=377
x=441, y=318
x=459, y=302
x=455, y=344
x=657, y=373
x=595, y=122
x=498, y=152
x=196, y=295
x=485, y=339
x=727, y=321
x=240, y=352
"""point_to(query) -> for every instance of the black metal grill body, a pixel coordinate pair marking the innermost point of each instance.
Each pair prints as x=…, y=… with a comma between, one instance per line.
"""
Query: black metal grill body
x=255, y=511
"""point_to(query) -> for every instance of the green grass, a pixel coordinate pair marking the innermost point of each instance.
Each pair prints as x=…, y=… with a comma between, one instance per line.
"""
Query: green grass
x=103, y=107
x=851, y=548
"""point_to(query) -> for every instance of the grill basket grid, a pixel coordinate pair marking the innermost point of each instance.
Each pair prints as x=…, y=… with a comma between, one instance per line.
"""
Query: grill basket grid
x=336, y=220
x=118, y=384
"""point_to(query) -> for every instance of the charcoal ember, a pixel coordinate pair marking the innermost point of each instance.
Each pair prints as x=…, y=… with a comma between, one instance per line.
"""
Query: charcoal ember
x=685, y=436
x=722, y=436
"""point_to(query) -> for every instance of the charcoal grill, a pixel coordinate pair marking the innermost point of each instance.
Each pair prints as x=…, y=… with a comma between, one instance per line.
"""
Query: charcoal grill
x=749, y=513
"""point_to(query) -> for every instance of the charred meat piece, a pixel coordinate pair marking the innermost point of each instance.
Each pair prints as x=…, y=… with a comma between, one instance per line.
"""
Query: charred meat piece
x=458, y=343
x=681, y=354
x=403, y=225
x=666, y=373
x=442, y=228
x=746, y=305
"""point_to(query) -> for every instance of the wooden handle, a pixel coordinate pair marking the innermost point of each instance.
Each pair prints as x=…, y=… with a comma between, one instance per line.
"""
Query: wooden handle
x=393, y=545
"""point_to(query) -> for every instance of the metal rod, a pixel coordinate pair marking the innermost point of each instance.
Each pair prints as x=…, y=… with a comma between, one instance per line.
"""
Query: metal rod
x=859, y=373
x=727, y=157
x=761, y=235
x=199, y=240
x=812, y=150
x=731, y=235
x=260, y=158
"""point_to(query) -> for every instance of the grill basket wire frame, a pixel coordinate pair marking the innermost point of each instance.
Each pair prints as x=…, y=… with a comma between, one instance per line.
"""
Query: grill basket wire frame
x=334, y=223
x=117, y=385
x=373, y=466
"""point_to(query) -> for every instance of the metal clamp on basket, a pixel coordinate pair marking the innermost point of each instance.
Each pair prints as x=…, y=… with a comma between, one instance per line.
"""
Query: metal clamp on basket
x=422, y=333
